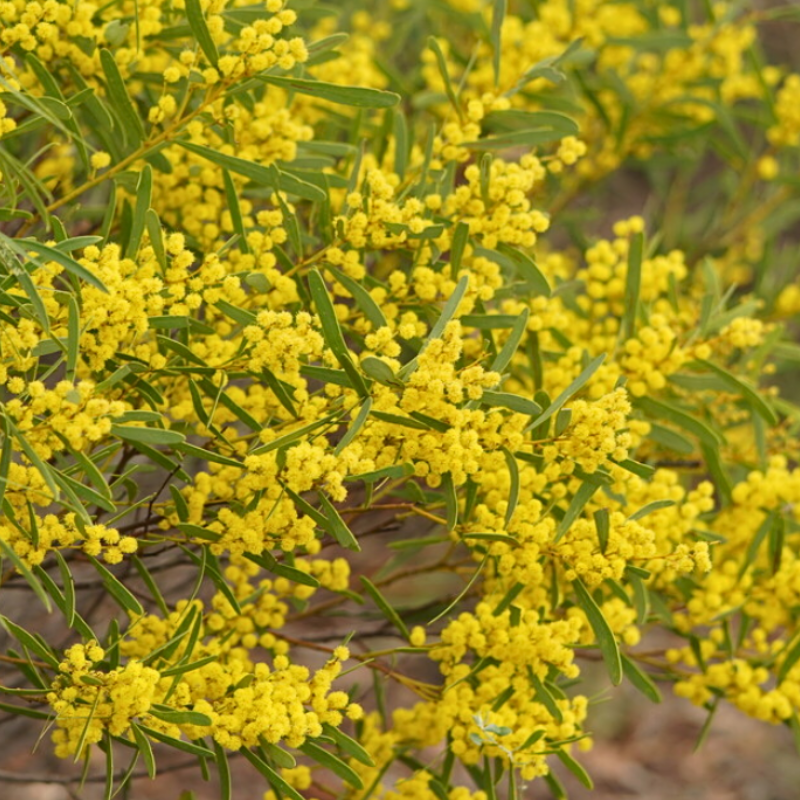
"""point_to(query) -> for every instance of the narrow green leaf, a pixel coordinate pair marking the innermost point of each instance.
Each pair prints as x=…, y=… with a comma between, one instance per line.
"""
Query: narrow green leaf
x=115, y=588
x=513, y=492
x=197, y=22
x=633, y=283
x=23, y=247
x=173, y=717
x=145, y=748
x=545, y=697
x=348, y=745
x=356, y=426
x=584, y=494
x=527, y=138
x=448, y=312
x=575, y=768
x=280, y=390
x=377, y=369
x=26, y=573
x=601, y=523
x=363, y=299
x=68, y=583
x=127, y=114
x=650, y=508
x=144, y=192
x=177, y=744
x=513, y=402
x=332, y=763
x=266, y=560
x=441, y=63
x=339, y=529
x=224, y=770
x=640, y=679
x=30, y=642
x=280, y=786
x=503, y=358
x=528, y=270
x=332, y=332
x=602, y=630
x=574, y=387
x=753, y=397
x=148, y=435
x=450, y=500
x=669, y=412
x=359, y=96
x=262, y=175
x=156, y=236
x=282, y=441
x=499, y=8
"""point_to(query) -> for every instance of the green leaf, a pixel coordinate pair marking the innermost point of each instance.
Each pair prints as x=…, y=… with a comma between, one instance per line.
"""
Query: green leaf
x=145, y=748
x=377, y=369
x=332, y=763
x=547, y=68
x=23, y=246
x=356, y=426
x=338, y=528
x=513, y=492
x=640, y=679
x=584, y=494
x=178, y=744
x=332, y=332
x=503, y=358
x=528, y=269
x=287, y=438
x=280, y=390
x=224, y=770
x=575, y=768
x=155, y=233
x=280, y=786
x=499, y=8
x=126, y=112
x=144, y=192
x=650, y=508
x=458, y=245
x=174, y=717
x=359, y=96
x=448, y=312
x=633, y=283
x=363, y=299
x=450, y=500
x=148, y=435
x=504, y=141
x=269, y=176
x=545, y=696
x=114, y=587
x=574, y=387
x=12, y=266
x=441, y=63
x=347, y=745
x=26, y=573
x=197, y=23
x=752, y=396
x=266, y=560
x=662, y=410
x=601, y=522
x=519, y=119
x=602, y=630
x=387, y=610
x=513, y=402
x=68, y=583
x=30, y=642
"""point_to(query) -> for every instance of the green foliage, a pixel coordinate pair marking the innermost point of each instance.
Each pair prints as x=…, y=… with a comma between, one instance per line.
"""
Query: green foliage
x=321, y=334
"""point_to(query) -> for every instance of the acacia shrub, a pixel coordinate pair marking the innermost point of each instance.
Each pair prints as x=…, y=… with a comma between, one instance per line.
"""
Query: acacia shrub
x=279, y=279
